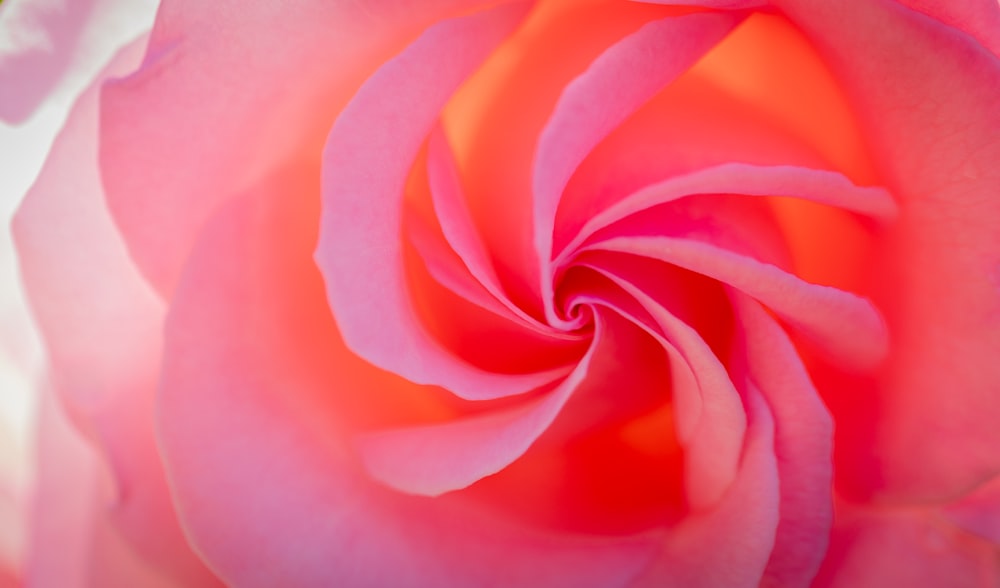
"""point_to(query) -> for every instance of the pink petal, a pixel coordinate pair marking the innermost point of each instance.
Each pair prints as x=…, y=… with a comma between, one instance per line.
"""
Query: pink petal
x=935, y=136
x=434, y=459
x=803, y=445
x=979, y=18
x=871, y=548
x=469, y=323
x=719, y=4
x=979, y=511
x=254, y=435
x=710, y=419
x=73, y=542
x=447, y=269
x=457, y=222
x=360, y=252
x=461, y=245
x=820, y=186
x=228, y=91
x=616, y=84
x=495, y=118
x=846, y=326
x=729, y=545
x=50, y=51
x=103, y=335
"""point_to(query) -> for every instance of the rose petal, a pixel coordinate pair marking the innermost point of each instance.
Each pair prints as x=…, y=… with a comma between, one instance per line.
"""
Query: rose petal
x=619, y=81
x=846, y=326
x=979, y=18
x=495, y=118
x=434, y=459
x=457, y=222
x=73, y=543
x=49, y=51
x=449, y=271
x=979, y=511
x=934, y=135
x=387, y=122
x=240, y=447
x=803, y=445
x=267, y=80
x=729, y=545
x=719, y=4
x=710, y=425
x=65, y=238
x=905, y=547
x=820, y=186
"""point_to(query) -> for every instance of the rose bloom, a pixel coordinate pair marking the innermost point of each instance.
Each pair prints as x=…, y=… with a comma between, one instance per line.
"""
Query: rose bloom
x=566, y=293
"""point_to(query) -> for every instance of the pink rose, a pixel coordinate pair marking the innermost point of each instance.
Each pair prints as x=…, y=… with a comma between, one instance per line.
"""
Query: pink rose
x=557, y=294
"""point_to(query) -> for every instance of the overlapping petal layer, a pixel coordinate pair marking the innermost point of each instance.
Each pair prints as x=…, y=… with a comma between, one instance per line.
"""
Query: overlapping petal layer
x=103, y=335
x=353, y=335
x=628, y=257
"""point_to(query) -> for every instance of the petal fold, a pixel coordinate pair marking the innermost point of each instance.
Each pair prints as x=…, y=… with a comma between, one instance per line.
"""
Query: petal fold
x=228, y=92
x=616, y=84
x=250, y=324
x=103, y=335
x=366, y=162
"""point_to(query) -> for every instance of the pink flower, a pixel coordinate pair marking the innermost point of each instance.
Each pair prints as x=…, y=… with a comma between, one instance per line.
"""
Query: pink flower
x=593, y=293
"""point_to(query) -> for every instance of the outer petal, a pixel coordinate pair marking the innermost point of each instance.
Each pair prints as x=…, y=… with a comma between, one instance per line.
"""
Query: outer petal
x=103, y=334
x=255, y=442
x=51, y=49
x=935, y=136
x=979, y=18
x=871, y=548
x=73, y=542
x=979, y=512
x=267, y=80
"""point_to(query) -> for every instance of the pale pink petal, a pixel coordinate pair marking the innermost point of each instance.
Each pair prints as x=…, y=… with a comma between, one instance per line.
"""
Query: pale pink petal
x=227, y=92
x=366, y=163
x=51, y=49
x=873, y=548
x=616, y=84
x=73, y=543
x=250, y=424
x=102, y=326
x=803, y=445
x=935, y=137
x=844, y=325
